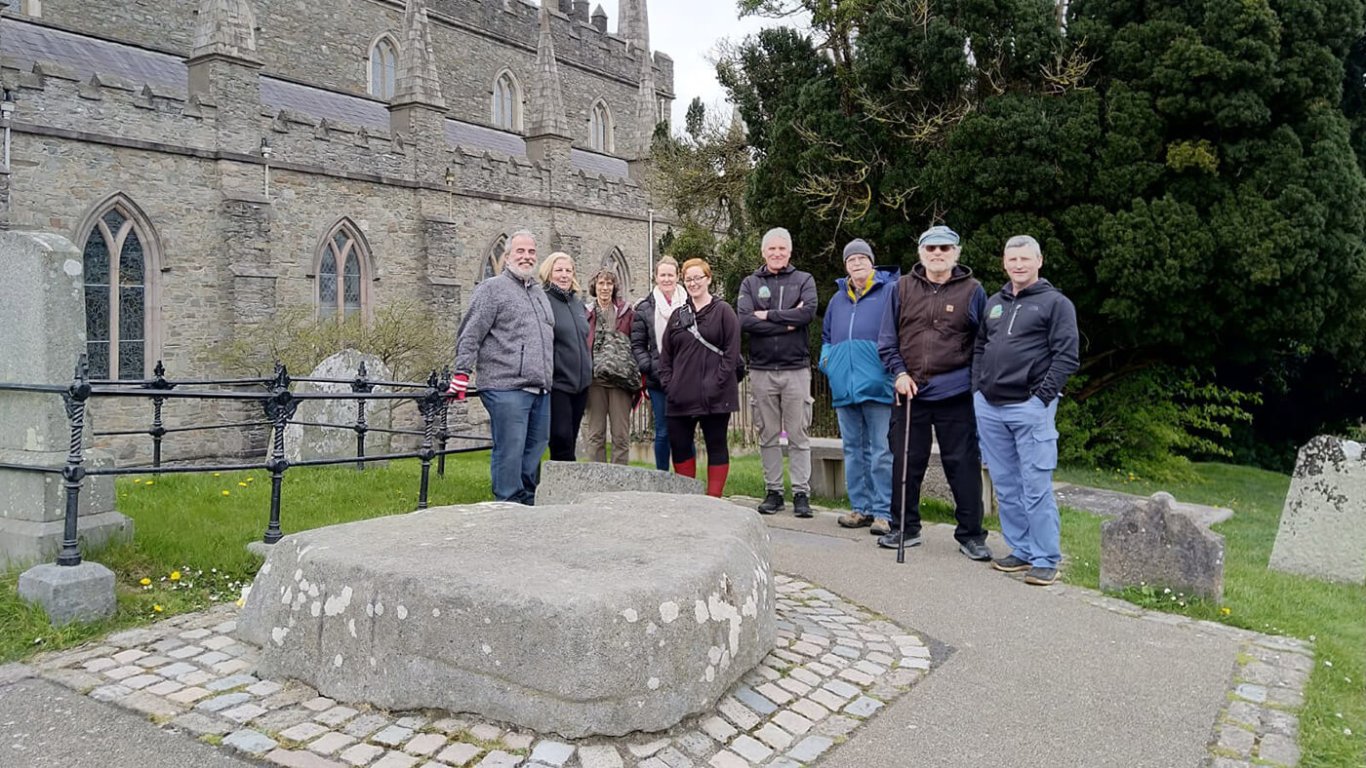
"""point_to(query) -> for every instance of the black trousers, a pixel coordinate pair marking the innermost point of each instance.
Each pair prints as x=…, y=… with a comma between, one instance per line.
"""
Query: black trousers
x=954, y=423
x=714, y=429
x=566, y=412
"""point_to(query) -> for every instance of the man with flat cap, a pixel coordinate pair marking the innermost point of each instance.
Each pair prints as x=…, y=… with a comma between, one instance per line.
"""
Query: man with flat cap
x=926, y=342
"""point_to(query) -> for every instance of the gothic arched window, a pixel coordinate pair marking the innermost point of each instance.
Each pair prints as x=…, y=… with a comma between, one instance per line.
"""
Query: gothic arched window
x=615, y=260
x=507, y=102
x=383, y=68
x=493, y=262
x=343, y=273
x=600, y=127
x=120, y=301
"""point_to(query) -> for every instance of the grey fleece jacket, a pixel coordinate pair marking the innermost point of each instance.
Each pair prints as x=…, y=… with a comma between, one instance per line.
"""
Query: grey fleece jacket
x=508, y=335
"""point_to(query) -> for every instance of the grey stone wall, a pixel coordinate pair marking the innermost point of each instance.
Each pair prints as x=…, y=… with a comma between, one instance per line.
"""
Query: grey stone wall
x=328, y=45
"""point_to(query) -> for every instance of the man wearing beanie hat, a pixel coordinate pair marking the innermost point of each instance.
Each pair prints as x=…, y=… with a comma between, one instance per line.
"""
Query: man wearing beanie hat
x=776, y=305
x=860, y=386
x=926, y=343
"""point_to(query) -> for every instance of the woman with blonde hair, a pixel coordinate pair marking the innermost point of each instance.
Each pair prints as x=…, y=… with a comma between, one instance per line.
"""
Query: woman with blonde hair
x=652, y=317
x=616, y=379
x=573, y=364
x=698, y=362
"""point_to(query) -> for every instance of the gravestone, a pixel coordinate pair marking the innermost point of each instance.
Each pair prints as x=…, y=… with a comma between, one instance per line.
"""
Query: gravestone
x=626, y=613
x=1323, y=524
x=43, y=322
x=566, y=482
x=307, y=441
x=1153, y=544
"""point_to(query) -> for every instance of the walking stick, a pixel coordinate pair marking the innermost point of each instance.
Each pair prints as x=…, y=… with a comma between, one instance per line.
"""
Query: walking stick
x=905, y=464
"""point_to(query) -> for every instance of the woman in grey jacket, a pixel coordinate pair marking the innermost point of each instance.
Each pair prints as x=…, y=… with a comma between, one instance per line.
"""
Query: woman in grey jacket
x=573, y=360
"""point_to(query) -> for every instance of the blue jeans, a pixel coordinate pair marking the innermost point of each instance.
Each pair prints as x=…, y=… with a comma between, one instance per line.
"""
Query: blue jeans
x=657, y=407
x=867, y=457
x=520, y=423
x=1020, y=447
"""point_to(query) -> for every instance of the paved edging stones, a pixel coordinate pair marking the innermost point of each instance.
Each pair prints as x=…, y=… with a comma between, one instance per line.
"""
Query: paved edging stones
x=835, y=666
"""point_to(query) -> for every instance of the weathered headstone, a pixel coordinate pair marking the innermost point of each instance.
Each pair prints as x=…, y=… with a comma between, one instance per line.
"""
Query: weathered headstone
x=626, y=613
x=306, y=441
x=567, y=482
x=1152, y=544
x=1323, y=524
x=43, y=322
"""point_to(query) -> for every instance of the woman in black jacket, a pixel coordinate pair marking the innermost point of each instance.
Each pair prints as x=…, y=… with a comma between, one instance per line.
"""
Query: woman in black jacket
x=697, y=363
x=573, y=359
x=652, y=315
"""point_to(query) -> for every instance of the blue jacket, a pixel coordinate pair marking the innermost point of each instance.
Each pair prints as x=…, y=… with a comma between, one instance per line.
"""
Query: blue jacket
x=849, y=356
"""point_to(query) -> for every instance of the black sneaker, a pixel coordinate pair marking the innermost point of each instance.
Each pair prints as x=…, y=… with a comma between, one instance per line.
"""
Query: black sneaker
x=801, y=505
x=891, y=540
x=773, y=502
x=1041, y=577
x=1010, y=564
x=975, y=550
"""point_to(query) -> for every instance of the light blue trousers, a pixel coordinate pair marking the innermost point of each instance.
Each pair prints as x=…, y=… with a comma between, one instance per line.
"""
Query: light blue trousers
x=1020, y=447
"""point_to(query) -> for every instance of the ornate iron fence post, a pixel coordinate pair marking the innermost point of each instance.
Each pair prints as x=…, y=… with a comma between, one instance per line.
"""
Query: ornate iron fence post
x=279, y=409
x=73, y=474
x=428, y=405
x=361, y=385
x=443, y=435
x=158, y=430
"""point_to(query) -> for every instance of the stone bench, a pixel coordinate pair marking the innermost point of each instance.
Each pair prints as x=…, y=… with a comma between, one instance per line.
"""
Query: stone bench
x=626, y=613
x=827, y=474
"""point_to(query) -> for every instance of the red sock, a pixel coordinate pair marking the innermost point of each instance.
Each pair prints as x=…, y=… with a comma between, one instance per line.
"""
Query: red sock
x=716, y=479
x=686, y=468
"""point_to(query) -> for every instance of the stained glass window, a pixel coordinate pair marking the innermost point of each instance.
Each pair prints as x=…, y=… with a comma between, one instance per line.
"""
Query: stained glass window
x=116, y=297
x=341, y=275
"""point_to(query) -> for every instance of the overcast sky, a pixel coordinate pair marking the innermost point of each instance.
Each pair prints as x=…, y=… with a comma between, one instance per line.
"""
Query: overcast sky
x=688, y=30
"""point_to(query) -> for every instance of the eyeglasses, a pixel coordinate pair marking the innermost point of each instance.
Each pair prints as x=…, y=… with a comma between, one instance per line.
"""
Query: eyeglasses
x=941, y=248
x=694, y=280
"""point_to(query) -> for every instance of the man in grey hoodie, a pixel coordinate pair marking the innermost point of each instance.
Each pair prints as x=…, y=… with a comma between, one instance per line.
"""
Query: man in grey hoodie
x=508, y=338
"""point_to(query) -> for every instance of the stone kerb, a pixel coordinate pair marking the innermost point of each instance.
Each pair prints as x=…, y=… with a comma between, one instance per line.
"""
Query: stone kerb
x=626, y=616
x=304, y=442
x=1323, y=525
x=1152, y=544
x=567, y=482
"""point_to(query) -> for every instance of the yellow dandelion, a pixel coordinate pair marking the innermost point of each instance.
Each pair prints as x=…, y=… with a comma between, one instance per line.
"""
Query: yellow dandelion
x=145, y=581
x=175, y=575
x=241, y=485
x=149, y=482
x=1226, y=611
x=250, y=478
x=227, y=493
x=158, y=608
x=216, y=474
x=137, y=480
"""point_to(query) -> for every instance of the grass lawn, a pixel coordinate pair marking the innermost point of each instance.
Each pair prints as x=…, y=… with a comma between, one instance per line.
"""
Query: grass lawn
x=192, y=531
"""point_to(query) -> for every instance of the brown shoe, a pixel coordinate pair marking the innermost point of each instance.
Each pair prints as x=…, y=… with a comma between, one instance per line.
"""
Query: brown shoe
x=881, y=527
x=854, y=519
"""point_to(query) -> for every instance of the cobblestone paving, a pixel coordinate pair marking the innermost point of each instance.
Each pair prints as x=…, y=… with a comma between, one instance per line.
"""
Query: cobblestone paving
x=1259, y=722
x=834, y=667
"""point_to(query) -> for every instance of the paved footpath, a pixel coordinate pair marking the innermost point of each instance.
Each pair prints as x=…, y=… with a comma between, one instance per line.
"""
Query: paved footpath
x=937, y=662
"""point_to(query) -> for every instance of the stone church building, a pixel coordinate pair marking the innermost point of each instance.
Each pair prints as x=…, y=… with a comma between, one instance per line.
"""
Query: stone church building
x=221, y=160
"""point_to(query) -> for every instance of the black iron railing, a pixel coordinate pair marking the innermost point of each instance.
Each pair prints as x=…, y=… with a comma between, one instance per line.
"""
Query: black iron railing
x=279, y=404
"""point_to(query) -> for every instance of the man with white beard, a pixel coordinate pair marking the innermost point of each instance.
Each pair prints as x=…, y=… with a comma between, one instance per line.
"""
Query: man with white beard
x=507, y=337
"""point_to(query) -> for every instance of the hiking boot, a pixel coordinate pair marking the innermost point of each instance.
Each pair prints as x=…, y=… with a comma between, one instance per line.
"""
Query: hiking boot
x=1041, y=576
x=881, y=527
x=1010, y=564
x=975, y=550
x=855, y=519
x=773, y=502
x=801, y=505
x=891, y=540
